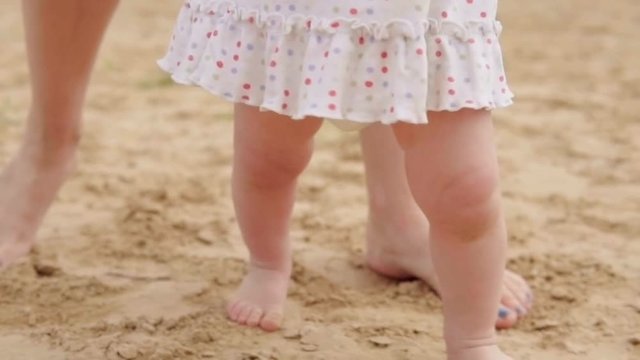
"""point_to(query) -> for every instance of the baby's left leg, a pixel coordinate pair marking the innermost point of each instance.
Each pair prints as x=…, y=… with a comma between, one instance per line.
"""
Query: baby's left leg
x=271, y=150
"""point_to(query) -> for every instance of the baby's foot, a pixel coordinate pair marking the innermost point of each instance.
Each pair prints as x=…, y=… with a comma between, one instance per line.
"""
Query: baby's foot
x=491, y=352
x=400, y=249
x=259, y=302
x=28, y=185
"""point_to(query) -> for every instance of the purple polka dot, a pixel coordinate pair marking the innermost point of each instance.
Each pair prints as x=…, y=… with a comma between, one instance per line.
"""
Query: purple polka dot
x=408, y=95
x=227, y=94
x=292, y=7
x=262, y=87
x=438, y=66
x=290, y=52
x=223, y=52
x=337, y=50
x=319, y=39
x=467, y=80
x=370, y=11
x=312, y=67
x=313, y=106
x=370, y=70
x=250, y=47
x=385, y=84
x=232, y=28
x=272, y=77
x=278, y=7
x=234, y=70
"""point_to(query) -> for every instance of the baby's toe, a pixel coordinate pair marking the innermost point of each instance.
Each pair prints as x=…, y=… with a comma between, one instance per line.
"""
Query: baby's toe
x=254, y=317
x=272, y=320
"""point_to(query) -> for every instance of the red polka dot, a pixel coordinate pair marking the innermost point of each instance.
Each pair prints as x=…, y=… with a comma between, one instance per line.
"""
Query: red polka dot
x=384, y=55
x=501, y=78
x=392, y=109
x=489, y=41
x=190, y=58
x=483, y=14
x=307, y=81
x=326, y=54
x=246, y=86
x=504, y=91
x=236, y=57
x=471, y=41
x=332, y=106
x=332, y=93
x=273, y=63
x=452, y=92
x=419, y=51
x=361, y=40
x=438, y=41
x=252, y=20
x=451, y=79
x=287, y=93
x=285, y=106
x=384, y=69
x=209, y=34
x=245, y=97
x=308, y=24
x=215, y=33
x=368, y=84
x=220, y=64
x=444, y=14
x=277, y=49
x=438, y=53
x=178, y=63
x=335, y=24
x=469, y=1
x=239, y=44
x=353, y=11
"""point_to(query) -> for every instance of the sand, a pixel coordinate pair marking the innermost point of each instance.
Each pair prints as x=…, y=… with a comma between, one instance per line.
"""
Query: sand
x=141, y=248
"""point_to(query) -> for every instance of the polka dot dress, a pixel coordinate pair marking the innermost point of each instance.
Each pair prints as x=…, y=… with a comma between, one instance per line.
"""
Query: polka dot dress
x=362, y=60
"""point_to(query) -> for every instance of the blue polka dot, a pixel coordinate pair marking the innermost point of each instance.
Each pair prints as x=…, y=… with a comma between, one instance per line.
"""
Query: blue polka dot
x=292, y=7
x=227, y=94
x=408, y=95
x=319, y=39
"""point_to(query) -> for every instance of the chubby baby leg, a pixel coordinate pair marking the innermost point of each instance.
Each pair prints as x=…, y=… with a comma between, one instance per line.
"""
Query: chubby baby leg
x=271, y=150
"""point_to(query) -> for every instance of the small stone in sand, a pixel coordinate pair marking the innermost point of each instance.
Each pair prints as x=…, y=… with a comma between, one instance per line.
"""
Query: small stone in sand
x=127, y=352
x=309, y=347
x=291, y=334
x=380, y=341
x=635, y=340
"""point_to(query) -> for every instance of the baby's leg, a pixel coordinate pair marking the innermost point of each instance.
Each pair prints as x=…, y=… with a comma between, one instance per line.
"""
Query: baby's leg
x=270, y=152
x=62, y=40
x=398, y=231
x=452, y=171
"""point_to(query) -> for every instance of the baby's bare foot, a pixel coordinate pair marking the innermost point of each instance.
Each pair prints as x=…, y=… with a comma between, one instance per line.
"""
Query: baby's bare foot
x=28, y=185
x=400, y=249
x=259, y=302
x=491, y=352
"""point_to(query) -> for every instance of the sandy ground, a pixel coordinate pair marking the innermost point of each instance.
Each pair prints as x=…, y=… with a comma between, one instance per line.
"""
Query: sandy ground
x=141, y=248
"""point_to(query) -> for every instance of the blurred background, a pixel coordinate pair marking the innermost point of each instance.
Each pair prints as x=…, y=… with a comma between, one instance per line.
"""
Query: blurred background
x=141, y=247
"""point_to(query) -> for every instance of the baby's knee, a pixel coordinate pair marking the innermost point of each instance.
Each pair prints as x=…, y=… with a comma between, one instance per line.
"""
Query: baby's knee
x=468, y=203
x=271, y=168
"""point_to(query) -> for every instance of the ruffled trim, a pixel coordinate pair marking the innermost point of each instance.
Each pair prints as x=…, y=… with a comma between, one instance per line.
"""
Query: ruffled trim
x=201, y=27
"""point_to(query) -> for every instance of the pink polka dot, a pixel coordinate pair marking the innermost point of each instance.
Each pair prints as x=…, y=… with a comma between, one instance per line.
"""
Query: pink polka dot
x=438, y=53
x=361, y=40
x=451, y=79
x=220, y=64
x=308, y=24
x=246, y=86
x=368, y=83
x=273, y=63
x=285, y=106
x=392, y=109
x=209, y=34
x=452, y=92
x=332, y=93
x=326, y=54
x=215, y=33
x=236, y=57
x=469, y=1
x=444, y=14
x=438, y=40
x=332, y=106
x=483, y=14
x=335, y=24
x=489, y=41
x=245, y=97
x=239, y=44
x=353, y=11
x=287, y=93
x=384, y=69
x=276, y=50
x=190, y=58
x=384, y=55
x=307, y=81
x=252, y=20
x=471, y=41
x=419, y=51
x=501, y=78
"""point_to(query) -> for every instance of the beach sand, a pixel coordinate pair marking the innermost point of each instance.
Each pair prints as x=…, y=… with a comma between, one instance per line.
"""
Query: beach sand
x=141, y=248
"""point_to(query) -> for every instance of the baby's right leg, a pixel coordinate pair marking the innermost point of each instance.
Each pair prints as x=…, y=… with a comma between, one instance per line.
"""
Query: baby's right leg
x=271, y=150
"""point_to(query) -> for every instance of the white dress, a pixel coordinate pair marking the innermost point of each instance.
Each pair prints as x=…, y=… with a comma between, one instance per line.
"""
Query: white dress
x=361, y=60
